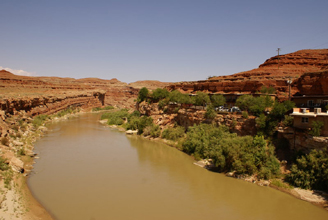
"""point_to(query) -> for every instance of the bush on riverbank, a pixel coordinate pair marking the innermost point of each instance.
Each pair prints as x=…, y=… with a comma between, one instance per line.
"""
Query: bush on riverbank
x=138, y=123
x=173, y=134
x=152, y=130
x=39, y=120
x=109, y=107
x=229, y=152
x=115, y=118
x=3, y=164
x=310, y=171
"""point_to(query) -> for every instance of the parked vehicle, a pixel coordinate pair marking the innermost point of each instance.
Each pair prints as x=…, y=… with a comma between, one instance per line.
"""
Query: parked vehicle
x=222, y=109
x=235, y=109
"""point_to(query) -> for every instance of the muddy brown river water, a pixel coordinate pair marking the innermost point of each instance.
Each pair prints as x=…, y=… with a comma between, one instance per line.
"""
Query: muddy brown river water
x=88, y=171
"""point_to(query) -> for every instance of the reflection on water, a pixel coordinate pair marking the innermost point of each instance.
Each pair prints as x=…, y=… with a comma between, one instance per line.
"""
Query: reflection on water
x=88, y=171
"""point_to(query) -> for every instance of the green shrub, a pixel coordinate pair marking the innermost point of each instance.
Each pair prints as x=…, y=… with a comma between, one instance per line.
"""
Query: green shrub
x=279, y=109
x=115, y=118
x=173, y=133
x=268, y=90
x=316, y=128
x=152, y=130
x=254, y=105
x=244, y=102
x=201, y=99
x=155, y=131
x=109, y=107
x=218, y=100
x=159, y=94
x=210, y=112
x=39, y=120
x=143, y=94
x=162, y=103
x=245, y=114
x=3, y=164
x=177, y=97
x=288, y=121
x=261, y=122
x=310, y=171
x=144, y=122
x=69, y=110
x=138, y=123
x=134, y=114
x=146, y=131
x=96, y=109
x=229, y=152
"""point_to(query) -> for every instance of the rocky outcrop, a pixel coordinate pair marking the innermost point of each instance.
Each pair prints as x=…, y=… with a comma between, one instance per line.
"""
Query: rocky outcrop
x=17, y=165
x=314, y=83
x=273, y=72
x=189, y=116
x=51, y=104
x=36, y=91
x=301, y=141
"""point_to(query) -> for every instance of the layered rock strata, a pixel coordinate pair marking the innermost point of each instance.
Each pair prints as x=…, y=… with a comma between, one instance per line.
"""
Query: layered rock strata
x=273, y=72
x=47, y=95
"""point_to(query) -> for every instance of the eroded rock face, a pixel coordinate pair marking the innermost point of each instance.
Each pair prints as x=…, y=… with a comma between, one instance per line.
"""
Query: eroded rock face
x=46, y=94
x=186, y=117
x=273, y=72
x=300, y=141
x=17, y=165
x=313, y=83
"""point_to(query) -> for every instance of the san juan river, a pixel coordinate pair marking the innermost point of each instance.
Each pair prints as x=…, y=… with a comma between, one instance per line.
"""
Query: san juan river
x=92, y=172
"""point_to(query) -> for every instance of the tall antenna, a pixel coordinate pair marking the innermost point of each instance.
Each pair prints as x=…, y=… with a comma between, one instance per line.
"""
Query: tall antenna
x=278, y=56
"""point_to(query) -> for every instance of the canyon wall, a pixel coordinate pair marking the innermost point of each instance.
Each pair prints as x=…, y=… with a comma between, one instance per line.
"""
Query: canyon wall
x=313, y=83
x=273, y=72
x=47, y=95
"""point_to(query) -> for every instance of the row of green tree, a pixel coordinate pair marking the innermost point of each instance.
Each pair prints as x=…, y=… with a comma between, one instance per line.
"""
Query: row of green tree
x=268, y=111
x=229, y=152
x=164, y=97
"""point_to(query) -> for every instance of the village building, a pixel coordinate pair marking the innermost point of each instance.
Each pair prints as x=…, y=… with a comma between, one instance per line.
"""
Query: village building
x=304, y=118
x=310, y=101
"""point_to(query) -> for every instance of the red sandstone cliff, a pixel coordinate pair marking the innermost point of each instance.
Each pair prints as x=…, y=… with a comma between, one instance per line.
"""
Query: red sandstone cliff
x=41, y=95
x=273, y=72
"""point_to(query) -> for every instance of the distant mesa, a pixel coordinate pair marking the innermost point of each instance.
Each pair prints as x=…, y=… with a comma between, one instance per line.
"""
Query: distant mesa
x=274, y=72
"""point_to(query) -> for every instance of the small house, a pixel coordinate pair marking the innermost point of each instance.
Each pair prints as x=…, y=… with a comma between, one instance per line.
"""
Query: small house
x=303, y=119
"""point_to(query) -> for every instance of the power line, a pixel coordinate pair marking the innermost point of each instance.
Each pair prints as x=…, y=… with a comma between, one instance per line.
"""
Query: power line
x=320, y=45
x=278, y=56
x=308, y=39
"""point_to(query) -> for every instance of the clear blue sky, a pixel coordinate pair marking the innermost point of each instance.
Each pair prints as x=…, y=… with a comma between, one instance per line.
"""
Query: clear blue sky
x=166, y=40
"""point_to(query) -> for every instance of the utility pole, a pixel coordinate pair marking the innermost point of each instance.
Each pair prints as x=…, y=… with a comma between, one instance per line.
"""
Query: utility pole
x=278, y=56
x=289, y=82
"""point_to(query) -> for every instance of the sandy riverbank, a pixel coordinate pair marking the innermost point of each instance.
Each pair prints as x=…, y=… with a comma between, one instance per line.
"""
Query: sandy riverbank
x=16, y=200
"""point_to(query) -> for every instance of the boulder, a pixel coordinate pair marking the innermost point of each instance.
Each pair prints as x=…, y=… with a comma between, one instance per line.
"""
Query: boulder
x=18, y=143
x=17, y=165
x=42, y=128
x=131, y=132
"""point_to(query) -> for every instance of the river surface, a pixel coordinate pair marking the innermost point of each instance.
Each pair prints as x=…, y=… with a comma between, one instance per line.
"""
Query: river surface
x=88, y=171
